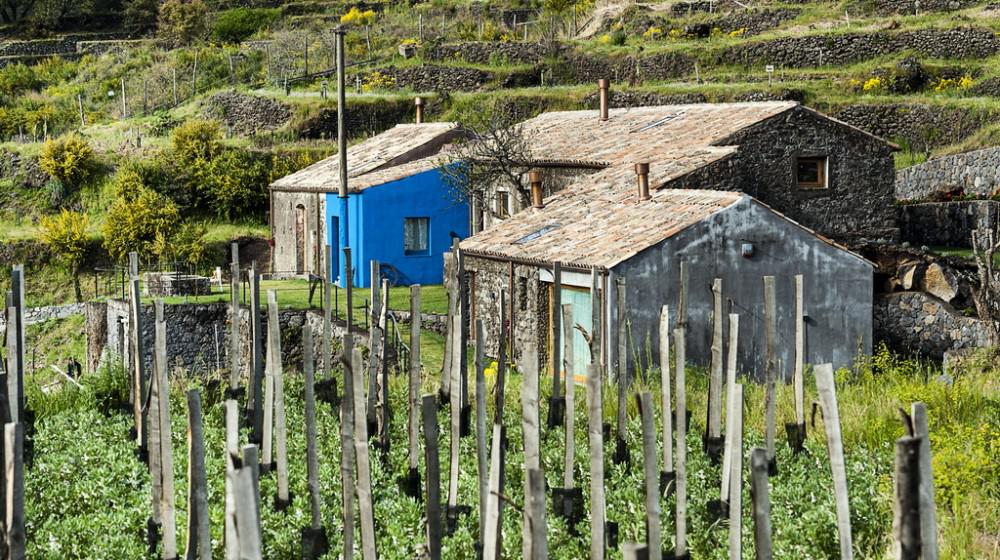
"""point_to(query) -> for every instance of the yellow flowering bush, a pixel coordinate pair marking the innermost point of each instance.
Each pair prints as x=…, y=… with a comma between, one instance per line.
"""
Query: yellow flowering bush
x=677, y=34
x=652, y=34
x=873, y=85
x=355, y=16
x=738, y=32
x=378, y=81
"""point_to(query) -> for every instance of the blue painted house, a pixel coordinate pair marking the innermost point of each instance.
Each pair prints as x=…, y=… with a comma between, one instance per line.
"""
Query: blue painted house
x=399, y=211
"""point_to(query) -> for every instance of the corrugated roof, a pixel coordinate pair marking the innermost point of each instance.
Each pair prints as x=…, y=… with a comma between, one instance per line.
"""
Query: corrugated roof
x=366, y=157
x=641, y=133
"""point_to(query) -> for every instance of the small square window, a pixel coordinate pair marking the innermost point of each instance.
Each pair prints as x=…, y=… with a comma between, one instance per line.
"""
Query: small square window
x=810, y=172
x=416, y=236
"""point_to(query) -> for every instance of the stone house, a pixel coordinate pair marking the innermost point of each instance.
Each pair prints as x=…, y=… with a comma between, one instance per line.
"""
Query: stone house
x=824, y=174
x=398, y=211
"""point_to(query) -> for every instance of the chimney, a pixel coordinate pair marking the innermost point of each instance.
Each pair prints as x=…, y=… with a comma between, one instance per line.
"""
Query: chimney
x=602, y=86
x=535, y=179
x=419, y=103
x=642, y=172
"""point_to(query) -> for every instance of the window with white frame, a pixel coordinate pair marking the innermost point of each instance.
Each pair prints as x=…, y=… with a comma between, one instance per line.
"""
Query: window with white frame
x=416, y=236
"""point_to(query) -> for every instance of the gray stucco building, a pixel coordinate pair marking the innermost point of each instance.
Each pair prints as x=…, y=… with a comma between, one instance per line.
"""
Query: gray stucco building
x=737, y=191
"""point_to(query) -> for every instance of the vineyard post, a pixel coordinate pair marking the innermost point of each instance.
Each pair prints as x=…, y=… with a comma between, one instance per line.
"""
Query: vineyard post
x=568, y=500
x=680, y=546
x=247, y=506
x=273, y=342
x=14, y=469
x=491, y=538
x=667, y=475
x=382, y=412
x=770, y=398
x=831, y=422
x=596, y=318
x=463, y=341
x=314, y=540
x=199, y=537
x=347, y=440
x=557, y=403
x=713, y=435
x=454, y=413
x=500, y=385
x=451, y=284
x=251, y=459
x=4, y=399
x=482, y=458
x=797, y=431
x=234, y=325
x=530, y=430
x=653, y=543
x=349, y=296
x=411, y=484
x=928, y=516
x=364, y=480
x=232, y=449
x=635, y=551
x=79, y=103
x=326, y=348
x=432, y=464
x=280, y=428
x=16, y=381
x=138, y=364
x=124, y=101
x=375, y=341
x=536, y=509
x=735, y=490
x=595, y=431
x=257, y=371
x=761, y=504
x=682, y=296
x=906, y=522
x=622, y=377
x=165, y=454
x=174, y=85
x=727, y=456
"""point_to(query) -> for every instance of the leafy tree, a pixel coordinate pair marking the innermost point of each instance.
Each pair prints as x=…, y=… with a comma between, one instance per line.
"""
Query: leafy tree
x=196, y=139
x=13, y=11
x=140, y=15
x=66, y=236
x=187, y=244
x=68, y=159
x=182, y=22
x=134, y=223
x=17, y=78
x=234, y=182
x=233, y=26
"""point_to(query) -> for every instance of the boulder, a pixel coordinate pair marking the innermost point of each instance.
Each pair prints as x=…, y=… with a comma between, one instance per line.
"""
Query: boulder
x=940, y=283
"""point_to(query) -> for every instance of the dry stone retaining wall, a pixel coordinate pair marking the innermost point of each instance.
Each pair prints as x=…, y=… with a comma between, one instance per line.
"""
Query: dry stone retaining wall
x=947, y=224
x=975, y=173
x=916, y=323
x=922, y=126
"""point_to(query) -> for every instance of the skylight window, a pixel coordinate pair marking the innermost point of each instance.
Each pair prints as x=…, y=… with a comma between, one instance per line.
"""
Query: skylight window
x=536, y=234
x=660, y=122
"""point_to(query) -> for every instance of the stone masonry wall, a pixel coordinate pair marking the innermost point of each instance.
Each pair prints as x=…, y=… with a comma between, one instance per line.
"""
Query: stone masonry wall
x=916, y=323
x=974, y=173
x=947, y=224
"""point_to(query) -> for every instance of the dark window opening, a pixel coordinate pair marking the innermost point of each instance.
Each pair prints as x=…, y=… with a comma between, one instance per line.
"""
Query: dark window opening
x=416, y=236
x=522, y=293
x=811, y=172
x=503, y=204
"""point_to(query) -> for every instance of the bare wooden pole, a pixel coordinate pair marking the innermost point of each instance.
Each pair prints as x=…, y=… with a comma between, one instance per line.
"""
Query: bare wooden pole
x=797, y=431
x=735, y=478
x=531, y=434
x=375, y=345
x=557, y=403
x=412, y=483
x=232, y=453
x=347, y=445
x=622, y=377
x=364, y=481
x=166, y=457
x=199, y=538
x=432, y=464
x=595, y=433
x=831, y=422
x=14, y=479
x=761, y=504
x=680, y=543
x=451, y=335
x=536, y=516
x=928, y=516
x=234, y=324
x=463, y=338
x=154, y=523
x=653, y=541
x=328, y=319
x=727, y=457
x=569, y=368
x=770, y=396
x=713, y=435
x=482, y=457
x=906, y=522
x=312, y=460
x=382, y=412
x=247, y=506
x=667, y=475
x=491, y=537
x=257, y=371
x=273, y=363
x=454, y=412
x=139, y=380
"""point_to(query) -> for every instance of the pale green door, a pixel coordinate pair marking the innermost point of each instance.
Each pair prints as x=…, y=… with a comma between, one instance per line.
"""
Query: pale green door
x=579, y=298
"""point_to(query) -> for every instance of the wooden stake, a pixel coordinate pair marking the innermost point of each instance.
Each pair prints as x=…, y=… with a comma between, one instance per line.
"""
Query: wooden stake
x=682, y=296
x=432, y=463
x=463, y=336
x=596, y=316
x=347, y=445
x=556, y=362
x=375, y=343
x=680, y=546
x=491, y=550
x=256, y=340
x=382, y=413
x=622, y=377
x=667, y=475
x=364, y=485
x=199, y=537
x=247, y=510
x=569, y=457
x=454, y=412
x=232, y=451
x=800, y=416
x=14, y=478
x=727, y=457
x=451, y=335
x=482, y=459
x=530, y=429
x=165, y=451
x=140, y=380
x=653, y=541
x=928, y=516
x=413, y=402
x=234, y=325
x=536, y=516
x=715, y=381
x=761, y=504
x=770, y=398
x=328, y=319
x=906, y=522
x=312, y=461
x=595, y=433
x=831, y=421
x=273, y=364
x=735, y=490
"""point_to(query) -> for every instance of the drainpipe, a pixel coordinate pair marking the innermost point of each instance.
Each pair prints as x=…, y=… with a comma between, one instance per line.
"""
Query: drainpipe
x=535, y=179
x=642, y=173
x=345, y=240
x=419, y=103
x=602, y=86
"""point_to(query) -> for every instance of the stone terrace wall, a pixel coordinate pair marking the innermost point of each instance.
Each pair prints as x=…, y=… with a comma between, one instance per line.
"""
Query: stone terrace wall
x=248, y=113
x=975, y=173
x=923, y=126
x=33, y=315
x=947, y=224
x=908, y=7
x=819, y=50
x=915, y=323
x=487, y=53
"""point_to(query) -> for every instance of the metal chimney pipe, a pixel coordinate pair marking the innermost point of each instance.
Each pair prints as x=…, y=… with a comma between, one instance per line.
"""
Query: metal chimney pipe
x=602, y=86
x=419, y=103
x=535, y=179
x=642, y=172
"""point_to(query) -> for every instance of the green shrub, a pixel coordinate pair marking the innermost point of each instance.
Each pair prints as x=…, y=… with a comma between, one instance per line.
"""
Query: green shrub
x=69, y=160
x=234, y=183
x=133, y=223
x=233, y=26
x=196, y=139
x=182, y=22
x=17, y=78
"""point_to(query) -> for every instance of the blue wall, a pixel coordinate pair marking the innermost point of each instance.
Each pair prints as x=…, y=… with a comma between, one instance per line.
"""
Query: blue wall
x=375, y=222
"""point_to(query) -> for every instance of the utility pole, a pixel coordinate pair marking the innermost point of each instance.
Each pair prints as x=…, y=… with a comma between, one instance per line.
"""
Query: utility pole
x=342, y=145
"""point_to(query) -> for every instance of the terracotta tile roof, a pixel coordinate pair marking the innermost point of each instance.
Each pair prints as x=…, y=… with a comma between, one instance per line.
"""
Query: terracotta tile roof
x=366, y=157
x=641, y=133
x=602, y=223
x=394, y=173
